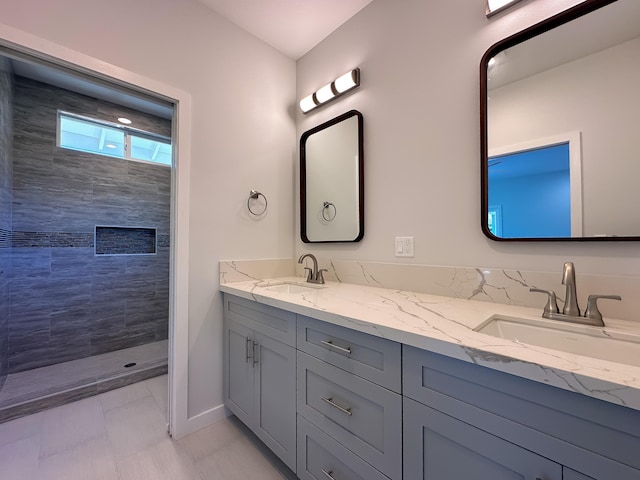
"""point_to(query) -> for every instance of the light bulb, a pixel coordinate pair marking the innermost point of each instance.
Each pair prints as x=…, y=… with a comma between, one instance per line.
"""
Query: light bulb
x=325, y=93
x=307, y=103
x=124, y=120
x=345, y=82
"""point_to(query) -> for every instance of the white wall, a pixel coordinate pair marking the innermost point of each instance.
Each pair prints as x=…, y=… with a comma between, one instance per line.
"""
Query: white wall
x=243, y=135
x=596, y=95
x=420, y=101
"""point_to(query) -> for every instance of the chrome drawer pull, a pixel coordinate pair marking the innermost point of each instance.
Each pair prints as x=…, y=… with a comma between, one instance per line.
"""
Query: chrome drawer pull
x=346, y=411
x=328, y=474
x=337, y=347
x=256, y=352
x=246, y=349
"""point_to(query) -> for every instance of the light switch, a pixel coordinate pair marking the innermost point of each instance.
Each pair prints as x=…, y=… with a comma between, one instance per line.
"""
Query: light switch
x=404, y=246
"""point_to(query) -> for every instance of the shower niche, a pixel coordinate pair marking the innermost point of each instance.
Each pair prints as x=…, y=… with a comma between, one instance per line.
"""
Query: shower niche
x=112, y=240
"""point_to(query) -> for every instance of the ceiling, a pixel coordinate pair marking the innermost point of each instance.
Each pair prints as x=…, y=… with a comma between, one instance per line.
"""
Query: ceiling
x=291, y=26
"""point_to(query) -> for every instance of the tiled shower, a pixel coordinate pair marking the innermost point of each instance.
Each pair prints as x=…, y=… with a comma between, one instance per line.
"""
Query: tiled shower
x=84, y=251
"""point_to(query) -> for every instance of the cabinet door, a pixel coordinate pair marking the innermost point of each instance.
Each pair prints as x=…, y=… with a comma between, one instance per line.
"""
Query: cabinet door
x=437, y=446
x=275, y=397
x=568, y=474
x=238, y=370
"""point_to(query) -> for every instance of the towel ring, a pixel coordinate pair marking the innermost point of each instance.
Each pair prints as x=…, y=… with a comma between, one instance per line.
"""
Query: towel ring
x=254, y=195
x=326, y=211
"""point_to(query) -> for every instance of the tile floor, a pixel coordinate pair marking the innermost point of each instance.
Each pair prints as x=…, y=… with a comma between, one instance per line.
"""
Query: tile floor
x=121, y=435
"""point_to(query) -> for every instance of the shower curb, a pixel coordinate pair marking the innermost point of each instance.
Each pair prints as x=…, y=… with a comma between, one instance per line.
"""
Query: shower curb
x=95, y=387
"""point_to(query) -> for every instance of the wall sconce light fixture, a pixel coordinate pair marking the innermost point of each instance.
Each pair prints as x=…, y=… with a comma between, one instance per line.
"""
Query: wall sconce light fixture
x=496, y=6
x=330, y=91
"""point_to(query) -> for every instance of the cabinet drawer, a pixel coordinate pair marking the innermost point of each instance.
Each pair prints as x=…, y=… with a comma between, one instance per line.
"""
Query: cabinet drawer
x=320, y=457
x=373, y=358
x=354, y=411
x=277, y=324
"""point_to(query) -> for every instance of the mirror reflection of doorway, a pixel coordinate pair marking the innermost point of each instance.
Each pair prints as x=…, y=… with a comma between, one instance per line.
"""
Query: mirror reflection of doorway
x=534, y=189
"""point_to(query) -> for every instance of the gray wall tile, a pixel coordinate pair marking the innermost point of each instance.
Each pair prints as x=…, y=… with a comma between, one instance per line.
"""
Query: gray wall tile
x=27, y=263
x=142, y=311
x=61, y=349
x=122, y=338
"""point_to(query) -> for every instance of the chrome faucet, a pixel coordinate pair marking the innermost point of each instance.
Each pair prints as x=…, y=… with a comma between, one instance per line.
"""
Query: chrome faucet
x=571, y=311
x=570, y=296
x=313, y=275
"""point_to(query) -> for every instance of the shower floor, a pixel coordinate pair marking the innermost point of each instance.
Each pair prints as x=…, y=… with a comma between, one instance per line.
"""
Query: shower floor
x=46, y=387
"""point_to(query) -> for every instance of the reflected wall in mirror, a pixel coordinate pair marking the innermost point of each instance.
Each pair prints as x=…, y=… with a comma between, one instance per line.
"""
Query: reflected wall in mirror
x=560, y=144
x=332, y=181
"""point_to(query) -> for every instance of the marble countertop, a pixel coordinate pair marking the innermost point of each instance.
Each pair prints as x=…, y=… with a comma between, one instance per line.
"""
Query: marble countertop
x=445, y=325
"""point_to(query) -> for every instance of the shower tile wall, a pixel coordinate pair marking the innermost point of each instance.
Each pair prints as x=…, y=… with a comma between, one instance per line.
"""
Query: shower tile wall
x=6, y=167
x=65, y=302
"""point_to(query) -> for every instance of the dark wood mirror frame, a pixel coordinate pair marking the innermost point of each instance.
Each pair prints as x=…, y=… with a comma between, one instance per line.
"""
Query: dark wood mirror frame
x=303, y=176
x=555, y=21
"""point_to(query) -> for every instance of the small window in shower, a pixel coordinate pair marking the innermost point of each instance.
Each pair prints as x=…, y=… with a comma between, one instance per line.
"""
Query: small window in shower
x=91, y=137
x=125, y=241
x=84, y=134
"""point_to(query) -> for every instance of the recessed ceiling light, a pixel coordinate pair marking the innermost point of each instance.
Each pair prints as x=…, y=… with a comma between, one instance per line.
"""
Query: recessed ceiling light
x=124, y=120
x=110, y=145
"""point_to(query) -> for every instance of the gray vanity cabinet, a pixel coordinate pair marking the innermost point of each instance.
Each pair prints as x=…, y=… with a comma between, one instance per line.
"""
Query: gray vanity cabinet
x=260, y=373
x=578, y=433
x=438, y=446
x=329, y=402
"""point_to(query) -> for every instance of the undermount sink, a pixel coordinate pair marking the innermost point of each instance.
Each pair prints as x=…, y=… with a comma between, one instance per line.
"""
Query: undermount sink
x=595, y=342
x=290, y=287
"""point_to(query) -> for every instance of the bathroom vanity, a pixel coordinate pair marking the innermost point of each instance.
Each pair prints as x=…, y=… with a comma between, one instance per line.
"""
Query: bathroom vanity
x=347, y=381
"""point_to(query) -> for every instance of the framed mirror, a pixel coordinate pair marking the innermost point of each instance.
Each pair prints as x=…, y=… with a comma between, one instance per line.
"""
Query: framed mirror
x=332, y=181
x=559, y=127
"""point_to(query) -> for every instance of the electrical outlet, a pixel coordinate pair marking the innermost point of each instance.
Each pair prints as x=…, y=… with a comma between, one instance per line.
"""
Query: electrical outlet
x=404, y=246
